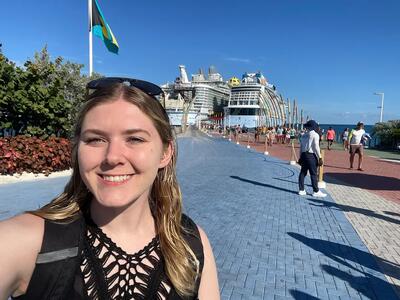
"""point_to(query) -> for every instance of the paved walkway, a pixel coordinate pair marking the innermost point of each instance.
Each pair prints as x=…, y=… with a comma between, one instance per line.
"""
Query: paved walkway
x=377, y=222
x=269, y=242
x=375, y=219
x=381, y=177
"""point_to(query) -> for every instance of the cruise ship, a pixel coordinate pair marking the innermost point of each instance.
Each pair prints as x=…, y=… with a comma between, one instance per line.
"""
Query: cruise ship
x=196, y=99
x=254, y=102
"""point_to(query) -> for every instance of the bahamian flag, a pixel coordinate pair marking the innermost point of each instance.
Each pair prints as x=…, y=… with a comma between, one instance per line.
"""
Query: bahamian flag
x=102, y=30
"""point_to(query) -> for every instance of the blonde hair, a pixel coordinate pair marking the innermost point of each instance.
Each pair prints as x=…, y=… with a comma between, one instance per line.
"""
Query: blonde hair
x=181, y=264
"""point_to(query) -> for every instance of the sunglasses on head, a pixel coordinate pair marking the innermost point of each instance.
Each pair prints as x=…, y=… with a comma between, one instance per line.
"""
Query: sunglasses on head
x=145, y=86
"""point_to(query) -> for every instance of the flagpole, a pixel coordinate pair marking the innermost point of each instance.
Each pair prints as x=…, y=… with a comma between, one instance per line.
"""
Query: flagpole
x=90, y=38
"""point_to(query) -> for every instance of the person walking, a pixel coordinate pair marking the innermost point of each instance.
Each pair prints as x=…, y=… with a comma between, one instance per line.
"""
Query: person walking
x=330, y=137
x=310, y=158
x=235, y=133
x=279, y=134
x=320, y=134
x=345, y=139
x=271, y=136
x=257, y=133
x=267, y=136
x=356, y=146
x=292, y=135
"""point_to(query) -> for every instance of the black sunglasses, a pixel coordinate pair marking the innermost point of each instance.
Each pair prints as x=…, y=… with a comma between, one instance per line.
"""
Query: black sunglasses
x=145, y=86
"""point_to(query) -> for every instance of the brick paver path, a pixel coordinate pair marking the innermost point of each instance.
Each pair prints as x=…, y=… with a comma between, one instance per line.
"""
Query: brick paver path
x=379, y=176
x=377, y=222
x=375, y=219
x=269, y=242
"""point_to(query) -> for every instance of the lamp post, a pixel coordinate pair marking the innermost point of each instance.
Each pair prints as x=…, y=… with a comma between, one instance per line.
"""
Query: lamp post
x=381, y=107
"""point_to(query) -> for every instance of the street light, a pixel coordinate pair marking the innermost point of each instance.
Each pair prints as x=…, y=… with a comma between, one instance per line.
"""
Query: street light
x=381, y=107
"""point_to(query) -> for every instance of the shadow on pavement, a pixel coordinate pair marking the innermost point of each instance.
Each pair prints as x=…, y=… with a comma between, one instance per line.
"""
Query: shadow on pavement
x=350, y=257
x=391, y=213
x=365, y=181
x=276, y=162
x=263, y=184
x=336, y=167
x=362, y=284
x=276, y=178
x=348, y=208
x=291, y=181
x=299, y=295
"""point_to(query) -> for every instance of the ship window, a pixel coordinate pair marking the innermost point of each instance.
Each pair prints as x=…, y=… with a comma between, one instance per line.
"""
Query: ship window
x=243, y=111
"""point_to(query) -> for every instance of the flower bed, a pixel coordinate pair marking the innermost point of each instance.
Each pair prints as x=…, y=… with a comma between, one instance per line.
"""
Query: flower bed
x=34, y=155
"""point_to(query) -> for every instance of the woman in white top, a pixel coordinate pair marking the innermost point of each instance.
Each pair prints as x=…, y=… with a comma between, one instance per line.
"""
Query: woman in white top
x=345, y=139
x=356, y=146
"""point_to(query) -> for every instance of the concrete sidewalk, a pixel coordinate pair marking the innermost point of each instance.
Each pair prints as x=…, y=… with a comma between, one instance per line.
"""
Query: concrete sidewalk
x=269, y=242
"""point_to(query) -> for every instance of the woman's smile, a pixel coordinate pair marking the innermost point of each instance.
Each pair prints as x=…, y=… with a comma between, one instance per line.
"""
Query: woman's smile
x=114, y=180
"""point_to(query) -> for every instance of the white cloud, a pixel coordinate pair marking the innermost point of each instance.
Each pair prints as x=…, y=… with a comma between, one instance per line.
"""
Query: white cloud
x=237, y=59
x=112, y=74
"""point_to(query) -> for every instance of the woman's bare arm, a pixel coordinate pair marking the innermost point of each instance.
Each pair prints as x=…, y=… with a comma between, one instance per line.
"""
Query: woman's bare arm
x=21, y=240
x=209, y=280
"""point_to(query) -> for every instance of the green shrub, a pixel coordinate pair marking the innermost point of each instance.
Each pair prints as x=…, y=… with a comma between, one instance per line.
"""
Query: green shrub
x=388, y=133
x=34, y=155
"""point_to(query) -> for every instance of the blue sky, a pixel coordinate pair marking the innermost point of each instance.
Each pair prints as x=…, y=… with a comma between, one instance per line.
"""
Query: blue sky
x=331, y=56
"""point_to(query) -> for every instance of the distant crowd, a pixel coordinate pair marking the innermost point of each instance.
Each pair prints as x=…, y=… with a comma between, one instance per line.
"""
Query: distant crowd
x=285, y=134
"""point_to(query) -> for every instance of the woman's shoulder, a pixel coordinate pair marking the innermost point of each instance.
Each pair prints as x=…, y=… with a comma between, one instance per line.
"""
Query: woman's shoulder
x=22, y=229
x=21, y=238
x=191, y=230
x=193, y=235
x=209, y=280
x=187, y=222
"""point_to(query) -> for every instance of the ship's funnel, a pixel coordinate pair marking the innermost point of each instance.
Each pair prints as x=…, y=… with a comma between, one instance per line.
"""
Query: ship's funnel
x=184, y=77
x=212, y=70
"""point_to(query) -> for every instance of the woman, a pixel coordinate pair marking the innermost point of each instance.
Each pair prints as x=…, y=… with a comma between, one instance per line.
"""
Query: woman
x=117, y=231
x=271, y=136
x=330, y=137
x=268, y=136
x=356, y=146
x=310, y=158
x=345, y=137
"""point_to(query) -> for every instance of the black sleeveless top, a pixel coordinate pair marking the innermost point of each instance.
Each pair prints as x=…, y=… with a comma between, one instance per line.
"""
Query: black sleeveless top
x=78, y=261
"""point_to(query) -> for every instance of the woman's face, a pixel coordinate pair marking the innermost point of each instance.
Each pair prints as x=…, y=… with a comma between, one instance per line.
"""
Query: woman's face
x=119, y=153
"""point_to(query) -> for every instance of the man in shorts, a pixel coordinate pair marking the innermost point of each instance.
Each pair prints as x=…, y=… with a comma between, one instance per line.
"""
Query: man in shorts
x=356, y=146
